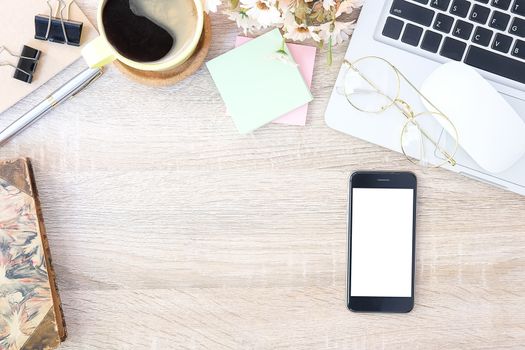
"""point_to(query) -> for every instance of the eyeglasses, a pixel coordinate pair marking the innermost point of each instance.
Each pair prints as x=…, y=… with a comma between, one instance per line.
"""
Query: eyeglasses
x=372, y=84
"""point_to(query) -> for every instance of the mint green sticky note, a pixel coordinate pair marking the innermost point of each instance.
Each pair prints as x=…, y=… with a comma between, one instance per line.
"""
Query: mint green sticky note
x=256, y=84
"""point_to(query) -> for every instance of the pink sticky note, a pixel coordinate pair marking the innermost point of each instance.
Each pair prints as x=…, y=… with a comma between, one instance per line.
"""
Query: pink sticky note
x=304, y=56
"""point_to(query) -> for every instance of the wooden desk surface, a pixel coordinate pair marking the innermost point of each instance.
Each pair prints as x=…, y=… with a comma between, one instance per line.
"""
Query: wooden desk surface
x=171, y=231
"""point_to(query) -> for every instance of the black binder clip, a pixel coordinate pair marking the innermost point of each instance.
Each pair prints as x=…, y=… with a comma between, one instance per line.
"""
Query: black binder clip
x=27, y=62
x=57, y=29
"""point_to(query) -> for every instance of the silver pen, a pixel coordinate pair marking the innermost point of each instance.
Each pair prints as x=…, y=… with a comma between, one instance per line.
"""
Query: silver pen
x=69, y=89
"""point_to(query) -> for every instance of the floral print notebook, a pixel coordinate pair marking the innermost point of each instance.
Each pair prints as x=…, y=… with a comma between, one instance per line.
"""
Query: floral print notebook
x=30, y=310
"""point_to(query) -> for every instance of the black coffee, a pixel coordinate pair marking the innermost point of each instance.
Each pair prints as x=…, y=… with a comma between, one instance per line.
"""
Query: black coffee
x=134, y=37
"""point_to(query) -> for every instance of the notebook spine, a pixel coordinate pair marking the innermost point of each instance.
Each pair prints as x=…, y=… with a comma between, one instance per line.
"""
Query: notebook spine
x=57, y=303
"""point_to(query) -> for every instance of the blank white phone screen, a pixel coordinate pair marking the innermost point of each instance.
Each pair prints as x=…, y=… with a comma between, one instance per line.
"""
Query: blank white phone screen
x=382, y=220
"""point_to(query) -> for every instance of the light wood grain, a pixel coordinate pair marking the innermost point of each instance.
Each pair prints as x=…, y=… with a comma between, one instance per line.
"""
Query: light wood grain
x=171, y=231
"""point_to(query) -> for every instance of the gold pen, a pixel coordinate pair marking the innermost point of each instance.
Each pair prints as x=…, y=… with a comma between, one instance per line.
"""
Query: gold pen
x=69, y=89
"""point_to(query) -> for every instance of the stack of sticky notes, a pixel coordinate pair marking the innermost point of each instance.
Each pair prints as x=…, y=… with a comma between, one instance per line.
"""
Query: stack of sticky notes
x=304, y=56
x=258, y=84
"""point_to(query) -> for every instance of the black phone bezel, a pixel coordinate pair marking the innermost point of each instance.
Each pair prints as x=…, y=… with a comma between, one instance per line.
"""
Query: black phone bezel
x=377, y=179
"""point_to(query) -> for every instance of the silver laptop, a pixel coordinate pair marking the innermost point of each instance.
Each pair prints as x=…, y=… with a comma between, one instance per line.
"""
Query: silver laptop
x=418, y=35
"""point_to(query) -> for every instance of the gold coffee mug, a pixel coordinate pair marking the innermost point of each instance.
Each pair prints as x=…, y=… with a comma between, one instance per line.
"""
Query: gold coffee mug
x=100, y=52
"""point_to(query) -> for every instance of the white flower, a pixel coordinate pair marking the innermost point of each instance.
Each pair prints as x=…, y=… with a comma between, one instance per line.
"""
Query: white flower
x=356, y=3
x=328, y=3
x=211, y=5
x=285, y=5
x=284, y=57
x=348, y=6
x=244, y=22
x=337, y=31
x=263, y=11
x=297, y=32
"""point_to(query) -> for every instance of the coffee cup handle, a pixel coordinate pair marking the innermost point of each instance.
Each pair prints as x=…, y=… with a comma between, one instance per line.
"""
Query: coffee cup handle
x=98, y=52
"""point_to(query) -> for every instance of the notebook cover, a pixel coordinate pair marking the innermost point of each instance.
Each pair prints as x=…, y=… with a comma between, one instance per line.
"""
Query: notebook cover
x=30, y=310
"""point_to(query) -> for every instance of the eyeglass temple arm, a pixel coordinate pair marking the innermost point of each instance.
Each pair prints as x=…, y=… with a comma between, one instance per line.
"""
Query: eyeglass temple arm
x=420, y=93
x=402, y=76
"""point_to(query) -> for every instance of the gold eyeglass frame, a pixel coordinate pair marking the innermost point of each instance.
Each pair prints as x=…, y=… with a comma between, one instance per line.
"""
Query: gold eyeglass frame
x=404, y=107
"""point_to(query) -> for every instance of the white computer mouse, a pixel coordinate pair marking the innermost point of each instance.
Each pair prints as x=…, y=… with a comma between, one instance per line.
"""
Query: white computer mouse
x=489, y=129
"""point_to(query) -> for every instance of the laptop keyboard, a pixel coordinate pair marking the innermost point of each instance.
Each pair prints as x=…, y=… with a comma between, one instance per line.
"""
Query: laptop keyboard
x=486, y=34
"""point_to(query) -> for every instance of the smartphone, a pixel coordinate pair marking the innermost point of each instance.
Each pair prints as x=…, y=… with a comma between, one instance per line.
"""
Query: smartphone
x=381, y=241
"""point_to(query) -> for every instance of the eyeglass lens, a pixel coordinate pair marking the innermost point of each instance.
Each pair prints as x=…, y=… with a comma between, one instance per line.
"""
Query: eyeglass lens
x=372, y=85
